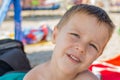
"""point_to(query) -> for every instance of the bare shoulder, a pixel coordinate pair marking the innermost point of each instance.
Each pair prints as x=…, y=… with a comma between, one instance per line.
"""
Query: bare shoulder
x=33, y=74
x=86, y=75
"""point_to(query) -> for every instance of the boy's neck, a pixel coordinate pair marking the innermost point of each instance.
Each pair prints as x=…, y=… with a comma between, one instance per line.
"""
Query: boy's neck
x=51, y=73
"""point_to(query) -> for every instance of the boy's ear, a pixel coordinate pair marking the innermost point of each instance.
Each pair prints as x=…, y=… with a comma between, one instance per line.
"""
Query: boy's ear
x=54, y=35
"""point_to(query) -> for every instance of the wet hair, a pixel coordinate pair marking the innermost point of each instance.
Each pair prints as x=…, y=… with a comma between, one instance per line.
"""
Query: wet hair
x=91, y=10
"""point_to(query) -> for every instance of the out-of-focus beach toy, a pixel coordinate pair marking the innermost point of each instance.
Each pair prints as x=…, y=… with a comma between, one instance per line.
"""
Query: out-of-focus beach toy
x=31, y=35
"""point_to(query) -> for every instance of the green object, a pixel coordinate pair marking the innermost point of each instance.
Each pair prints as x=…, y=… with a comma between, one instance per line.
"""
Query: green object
x=119, y=31
x=35, y=2
x=13, y=76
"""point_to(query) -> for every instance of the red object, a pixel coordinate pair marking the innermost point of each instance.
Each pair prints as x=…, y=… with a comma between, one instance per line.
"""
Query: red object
x=45, y=31
x=31, y=36
x=114, y=61
x=107, y=74
x=99, y=66
x=110, y=75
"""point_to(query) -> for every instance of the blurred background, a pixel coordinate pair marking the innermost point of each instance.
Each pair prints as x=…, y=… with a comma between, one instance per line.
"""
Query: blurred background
x=32, y=22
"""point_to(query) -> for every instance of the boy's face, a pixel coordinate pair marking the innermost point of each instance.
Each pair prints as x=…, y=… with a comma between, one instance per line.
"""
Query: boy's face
x=78, y=43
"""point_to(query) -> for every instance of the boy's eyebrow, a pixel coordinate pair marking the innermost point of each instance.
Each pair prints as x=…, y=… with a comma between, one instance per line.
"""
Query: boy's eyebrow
x=77, y=29
x=73, y=27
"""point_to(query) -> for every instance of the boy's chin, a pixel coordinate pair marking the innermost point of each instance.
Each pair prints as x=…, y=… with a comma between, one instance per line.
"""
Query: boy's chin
x=67, y=68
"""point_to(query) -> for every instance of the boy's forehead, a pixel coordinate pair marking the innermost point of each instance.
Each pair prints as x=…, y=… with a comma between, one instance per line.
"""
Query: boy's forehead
x=80, y=14
x=82, y=18
x=85, y=17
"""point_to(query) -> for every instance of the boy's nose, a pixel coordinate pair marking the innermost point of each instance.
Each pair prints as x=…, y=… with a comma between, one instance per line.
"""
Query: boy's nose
x=80, y=48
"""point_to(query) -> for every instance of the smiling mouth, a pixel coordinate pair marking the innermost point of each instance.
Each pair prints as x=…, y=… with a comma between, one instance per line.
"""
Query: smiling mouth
x=73, y=58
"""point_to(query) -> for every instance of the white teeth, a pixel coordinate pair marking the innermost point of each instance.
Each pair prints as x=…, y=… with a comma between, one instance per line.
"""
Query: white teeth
x=73, y=57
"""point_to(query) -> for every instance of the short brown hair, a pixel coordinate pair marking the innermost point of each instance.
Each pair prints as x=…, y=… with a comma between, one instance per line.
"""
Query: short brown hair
x=95, y=11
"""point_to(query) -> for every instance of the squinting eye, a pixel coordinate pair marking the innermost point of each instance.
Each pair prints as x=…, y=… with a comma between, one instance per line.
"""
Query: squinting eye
x=94, y=46
x=74, y=34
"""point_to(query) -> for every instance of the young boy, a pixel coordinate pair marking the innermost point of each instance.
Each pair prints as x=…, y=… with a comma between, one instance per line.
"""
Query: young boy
x=79, y=38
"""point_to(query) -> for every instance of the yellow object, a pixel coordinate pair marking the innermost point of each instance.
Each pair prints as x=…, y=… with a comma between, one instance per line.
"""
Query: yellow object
x=11, y=35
